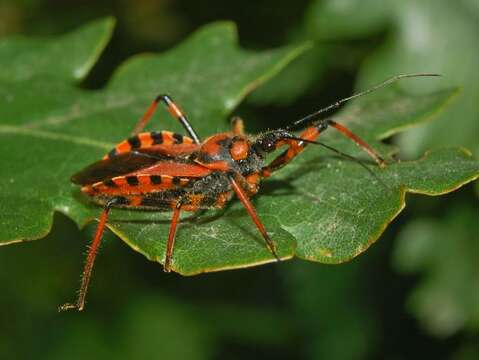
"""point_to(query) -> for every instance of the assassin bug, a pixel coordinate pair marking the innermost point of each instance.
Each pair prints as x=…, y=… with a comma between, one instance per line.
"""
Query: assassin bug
x=168, y=171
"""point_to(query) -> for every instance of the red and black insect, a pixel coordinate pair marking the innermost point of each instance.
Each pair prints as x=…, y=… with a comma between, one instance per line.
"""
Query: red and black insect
x=168, y=171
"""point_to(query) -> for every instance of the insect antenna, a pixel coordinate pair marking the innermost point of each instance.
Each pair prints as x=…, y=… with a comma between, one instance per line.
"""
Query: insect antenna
x=347, y=156
x=311, y=118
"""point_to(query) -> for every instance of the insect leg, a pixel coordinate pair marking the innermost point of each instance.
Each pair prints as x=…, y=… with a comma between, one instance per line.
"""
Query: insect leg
x=360, y=142
x=90, y=260
x=296, y=146
x=173, y=109
x=243, y=197
x=171, y=237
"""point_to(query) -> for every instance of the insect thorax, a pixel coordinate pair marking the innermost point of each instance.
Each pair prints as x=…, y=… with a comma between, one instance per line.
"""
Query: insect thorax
x=230, y=153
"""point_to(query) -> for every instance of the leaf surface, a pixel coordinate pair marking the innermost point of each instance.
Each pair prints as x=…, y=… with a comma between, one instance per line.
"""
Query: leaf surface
x=319, y=208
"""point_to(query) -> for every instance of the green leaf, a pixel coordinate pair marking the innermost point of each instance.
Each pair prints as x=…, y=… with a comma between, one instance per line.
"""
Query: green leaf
x=337, y=210
x=51, y=129
x=38, y=83
x=319, y=208
x=417, y=41
x=420, y=42
x=338, y=20
x=294, y=80
x=68, y=57
x=445, y=252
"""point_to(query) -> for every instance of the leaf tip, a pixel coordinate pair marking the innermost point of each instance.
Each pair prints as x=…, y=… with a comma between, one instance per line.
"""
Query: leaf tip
x=102, y=29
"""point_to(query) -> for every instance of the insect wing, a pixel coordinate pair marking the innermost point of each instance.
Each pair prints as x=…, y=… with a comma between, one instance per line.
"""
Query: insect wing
x=175, y=168
x=181, y=150
x=115, y=166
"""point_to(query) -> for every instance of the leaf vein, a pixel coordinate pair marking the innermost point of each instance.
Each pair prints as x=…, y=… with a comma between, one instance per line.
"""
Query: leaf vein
x=8, y=129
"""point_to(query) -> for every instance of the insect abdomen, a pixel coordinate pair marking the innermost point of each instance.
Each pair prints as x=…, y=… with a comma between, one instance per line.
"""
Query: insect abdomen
x=136, y=184
x=160, y=192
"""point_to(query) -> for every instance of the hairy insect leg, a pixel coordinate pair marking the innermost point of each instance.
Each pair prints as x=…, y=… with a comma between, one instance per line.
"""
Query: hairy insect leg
x=90, y=260
x=171, y=237
x=360, y=142
x=173, y=109
x=243, y=197
x=296, y=146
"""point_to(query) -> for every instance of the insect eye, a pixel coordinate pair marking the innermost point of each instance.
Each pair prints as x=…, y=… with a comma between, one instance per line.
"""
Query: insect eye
x=268, y=145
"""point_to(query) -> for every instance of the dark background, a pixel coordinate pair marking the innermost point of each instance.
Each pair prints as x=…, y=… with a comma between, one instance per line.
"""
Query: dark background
x=413, y=294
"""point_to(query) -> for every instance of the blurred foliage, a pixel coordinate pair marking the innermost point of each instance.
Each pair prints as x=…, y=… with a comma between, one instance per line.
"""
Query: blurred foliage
x=446, y=299
x=125, y=323
x=414, y=36
x=421, y=36
x=429, y=36
x=293, y=310
x=331, y=315
x=434, y=36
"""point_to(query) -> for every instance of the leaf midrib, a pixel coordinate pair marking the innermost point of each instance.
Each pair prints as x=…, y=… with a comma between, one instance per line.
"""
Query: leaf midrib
x=41, y=134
